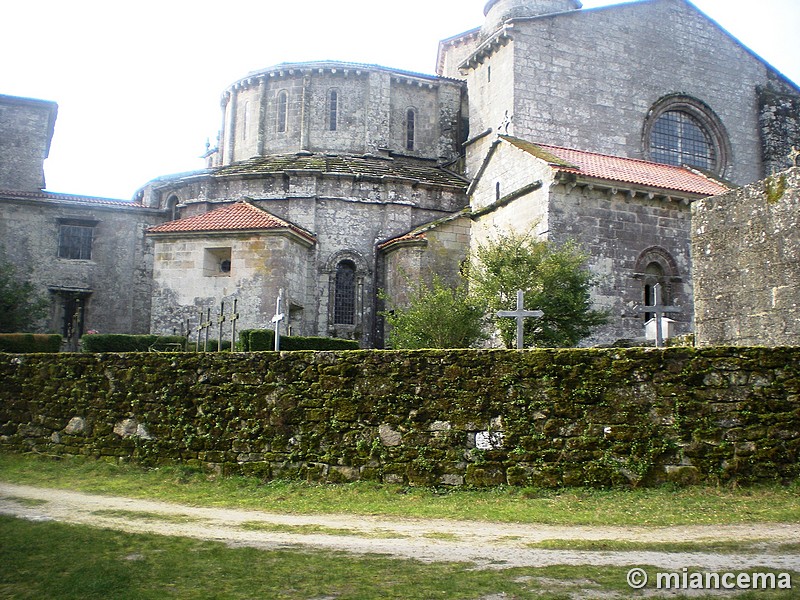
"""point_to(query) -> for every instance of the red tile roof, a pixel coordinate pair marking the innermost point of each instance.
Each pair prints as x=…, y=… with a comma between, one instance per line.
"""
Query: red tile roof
x=241, y=216
x=622, y=170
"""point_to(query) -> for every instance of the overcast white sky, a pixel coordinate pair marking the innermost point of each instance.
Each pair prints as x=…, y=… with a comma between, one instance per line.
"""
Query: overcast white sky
x=138, y=83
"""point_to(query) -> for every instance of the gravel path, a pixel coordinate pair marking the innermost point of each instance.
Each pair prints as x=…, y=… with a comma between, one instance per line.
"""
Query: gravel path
x=487, y=545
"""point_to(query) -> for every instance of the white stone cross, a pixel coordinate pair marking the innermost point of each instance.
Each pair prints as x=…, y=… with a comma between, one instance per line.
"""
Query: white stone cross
x=659, y=310
x=276, y=320
x=520, y=315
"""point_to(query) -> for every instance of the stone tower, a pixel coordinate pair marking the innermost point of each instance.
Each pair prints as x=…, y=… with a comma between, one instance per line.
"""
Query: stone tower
x=499, y=11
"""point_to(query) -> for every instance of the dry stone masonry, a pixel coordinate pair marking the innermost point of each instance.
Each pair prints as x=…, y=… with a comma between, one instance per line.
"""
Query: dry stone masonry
x=475, y=418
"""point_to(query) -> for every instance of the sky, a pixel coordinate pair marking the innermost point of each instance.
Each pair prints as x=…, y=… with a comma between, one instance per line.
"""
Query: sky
x=138, y=84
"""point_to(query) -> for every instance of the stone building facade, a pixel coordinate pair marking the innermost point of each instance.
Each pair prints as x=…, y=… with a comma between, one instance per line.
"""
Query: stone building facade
x=88, y=256
x=746, y=247
x=335, y=181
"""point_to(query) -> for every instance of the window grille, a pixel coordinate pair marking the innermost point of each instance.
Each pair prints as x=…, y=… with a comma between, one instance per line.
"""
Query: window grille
x=344, y=311
x=333, y=110
x=679, y=139
x=75, y=242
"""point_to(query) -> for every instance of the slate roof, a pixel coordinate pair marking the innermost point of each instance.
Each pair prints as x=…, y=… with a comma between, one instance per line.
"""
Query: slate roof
x=72, y=198
x=622, y=170
x=241, y=216
x=364, y=166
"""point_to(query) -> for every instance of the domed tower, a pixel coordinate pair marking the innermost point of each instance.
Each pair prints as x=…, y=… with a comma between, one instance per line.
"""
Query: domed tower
x=499, y=11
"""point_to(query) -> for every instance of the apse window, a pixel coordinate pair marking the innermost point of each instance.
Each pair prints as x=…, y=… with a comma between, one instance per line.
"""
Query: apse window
x=411, y=129
x=333, y=110
x=217, y=262
x=75, y=239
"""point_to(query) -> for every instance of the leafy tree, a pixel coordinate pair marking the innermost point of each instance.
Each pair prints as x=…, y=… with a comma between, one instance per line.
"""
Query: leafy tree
x=437, y=316
x=555, y=280
x=21, y=307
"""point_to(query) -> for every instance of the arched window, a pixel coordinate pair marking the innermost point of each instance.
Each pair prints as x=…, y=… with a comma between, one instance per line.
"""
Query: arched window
x=344, y=308
x=657, y=266
x=680, y=139
x=411, y=124
x=245, y=119
x=653, y=275
x=333, y=110
x=172, y=207
x=680, y=130
x=283, y=111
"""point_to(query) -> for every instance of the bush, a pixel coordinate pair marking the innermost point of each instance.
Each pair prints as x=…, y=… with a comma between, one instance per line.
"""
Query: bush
x=118, y=342
x=255, y=340
x=24, y=343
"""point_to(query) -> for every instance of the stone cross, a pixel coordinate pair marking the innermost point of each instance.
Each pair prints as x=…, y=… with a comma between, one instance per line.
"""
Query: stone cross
x=207, y=327
x=233, y=318
x=659, y=310
x=279, y=316
x=221, y=320
x=520, y=315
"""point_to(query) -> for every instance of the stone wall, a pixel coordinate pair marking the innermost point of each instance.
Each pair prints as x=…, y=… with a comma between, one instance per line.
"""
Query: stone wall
x=746, y=264
x=566, y=80
x=482, y=418
x=115, y=281
x=26, y=128
x=371, y=106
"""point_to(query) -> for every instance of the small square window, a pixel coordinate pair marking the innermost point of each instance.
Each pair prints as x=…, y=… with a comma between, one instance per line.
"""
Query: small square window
x=75, y=240
x=217, y=262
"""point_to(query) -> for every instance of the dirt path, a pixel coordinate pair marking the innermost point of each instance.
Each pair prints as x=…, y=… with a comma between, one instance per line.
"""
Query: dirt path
x=487, y=545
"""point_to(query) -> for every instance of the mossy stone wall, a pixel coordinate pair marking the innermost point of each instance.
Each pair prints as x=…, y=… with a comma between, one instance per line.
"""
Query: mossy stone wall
x=474, y=417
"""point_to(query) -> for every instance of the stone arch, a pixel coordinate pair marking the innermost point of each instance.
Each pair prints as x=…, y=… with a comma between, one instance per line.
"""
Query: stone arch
x=172, y=206
x=347, y=273
x=655, y=265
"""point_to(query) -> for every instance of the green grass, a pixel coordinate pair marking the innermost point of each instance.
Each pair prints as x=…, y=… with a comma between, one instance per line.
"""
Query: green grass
x=663, y=506
x=710, y=547
x=69, y=562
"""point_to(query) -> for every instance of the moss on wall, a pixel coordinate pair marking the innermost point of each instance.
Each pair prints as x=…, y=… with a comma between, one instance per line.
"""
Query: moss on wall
x=478, y=417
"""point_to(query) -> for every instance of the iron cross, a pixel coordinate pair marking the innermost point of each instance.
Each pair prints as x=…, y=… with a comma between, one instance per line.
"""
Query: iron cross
x=520, y=315
x=659, y=310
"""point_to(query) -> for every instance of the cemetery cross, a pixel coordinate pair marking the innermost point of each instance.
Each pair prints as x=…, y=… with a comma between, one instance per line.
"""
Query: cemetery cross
x=659, y=310
x=520, y=315
x=279, y=316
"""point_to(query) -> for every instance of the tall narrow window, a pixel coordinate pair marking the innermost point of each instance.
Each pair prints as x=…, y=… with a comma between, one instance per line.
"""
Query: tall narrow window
x=411, y=124
x=245, y=120
x=344, y=311
x=283, y=111
x=333, y=110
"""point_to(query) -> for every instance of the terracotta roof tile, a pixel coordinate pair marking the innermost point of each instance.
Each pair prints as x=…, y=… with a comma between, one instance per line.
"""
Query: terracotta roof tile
x=623, y=170
x=241, y=216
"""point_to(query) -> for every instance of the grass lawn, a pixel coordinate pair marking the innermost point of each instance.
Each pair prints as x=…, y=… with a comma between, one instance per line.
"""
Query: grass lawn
x=663, y=506
x=64, y=562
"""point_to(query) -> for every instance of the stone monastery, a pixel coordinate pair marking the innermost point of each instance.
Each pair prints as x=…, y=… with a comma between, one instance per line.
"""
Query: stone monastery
x=333, y=181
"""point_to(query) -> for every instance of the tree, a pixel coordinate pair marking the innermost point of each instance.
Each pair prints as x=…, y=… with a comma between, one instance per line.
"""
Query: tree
x=437, y=316
x=21, y=307
x=555, y=280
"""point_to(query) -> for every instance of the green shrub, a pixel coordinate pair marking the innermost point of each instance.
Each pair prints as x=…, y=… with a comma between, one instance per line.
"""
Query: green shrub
x=119, y=342
x=255, y=340
x=23, y=343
